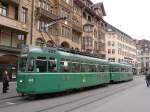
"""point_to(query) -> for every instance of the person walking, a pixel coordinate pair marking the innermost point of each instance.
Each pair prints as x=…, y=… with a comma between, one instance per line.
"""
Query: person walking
x=5, y=80
x=147, y=77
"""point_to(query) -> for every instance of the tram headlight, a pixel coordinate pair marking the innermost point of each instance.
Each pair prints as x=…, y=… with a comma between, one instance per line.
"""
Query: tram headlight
x=21, y=81
x=31, y=80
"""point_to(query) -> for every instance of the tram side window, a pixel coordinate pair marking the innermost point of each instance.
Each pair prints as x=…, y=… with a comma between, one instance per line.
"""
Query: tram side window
x=116, y=69
x=31, y=65
x=41, y=64
x=102, y=68
x=22, y=64
x=92, y=68
x=65, y=65
x=123, y=69
x=52, y=65
x=127, y=69
x=76, y=67
x=84, y=67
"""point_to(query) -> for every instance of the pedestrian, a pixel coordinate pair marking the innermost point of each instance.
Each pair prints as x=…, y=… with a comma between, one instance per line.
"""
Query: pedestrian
x=5, y=79
x=147, y=77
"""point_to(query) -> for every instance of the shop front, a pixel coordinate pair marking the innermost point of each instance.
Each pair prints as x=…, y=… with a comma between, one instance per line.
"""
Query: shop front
x=8, y=62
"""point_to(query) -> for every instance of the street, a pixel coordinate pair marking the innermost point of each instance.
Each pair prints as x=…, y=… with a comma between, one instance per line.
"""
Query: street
x=132, y=96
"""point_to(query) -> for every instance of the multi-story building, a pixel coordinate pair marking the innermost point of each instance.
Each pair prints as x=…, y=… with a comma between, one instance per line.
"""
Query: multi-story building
x=138, y=57
x=65, y=33
x=93, y=39
x=143, y=47
x=83, y=29
x=15, y=28
x=120, y=46
x=24, y=21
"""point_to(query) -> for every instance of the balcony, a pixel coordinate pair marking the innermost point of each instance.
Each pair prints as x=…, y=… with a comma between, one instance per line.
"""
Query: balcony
x=12, y=49
x=11, y=23
x=44, y=13
x=11, y=1
x=66, y=5
x=77, y=27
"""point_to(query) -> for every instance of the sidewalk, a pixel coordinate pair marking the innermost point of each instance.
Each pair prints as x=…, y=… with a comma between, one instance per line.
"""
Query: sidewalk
x=11, y=92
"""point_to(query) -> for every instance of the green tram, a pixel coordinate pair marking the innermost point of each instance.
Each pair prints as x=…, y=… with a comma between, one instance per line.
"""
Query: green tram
x=49, y=70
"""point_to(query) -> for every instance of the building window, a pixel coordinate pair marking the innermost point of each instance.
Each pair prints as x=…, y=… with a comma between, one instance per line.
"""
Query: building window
x=21, y=40
x=84, y=15
x=5, y=38
x=113, y=51
x=64, y=13
x=3, y=10
x=87, y=41
x=89, y=19
x=113, y=43
x=76, y=37
x=45, y=6
x=41, y=25
x=65, y=32
x=24, y=15
x=16, y=13
x=109, y=51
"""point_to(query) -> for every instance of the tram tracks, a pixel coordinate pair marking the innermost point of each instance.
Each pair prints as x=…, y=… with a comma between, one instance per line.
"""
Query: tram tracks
x=73, y=101
x=81, y=102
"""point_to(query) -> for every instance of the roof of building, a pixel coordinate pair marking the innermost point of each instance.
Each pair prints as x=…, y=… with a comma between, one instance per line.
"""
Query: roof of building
x=111, y=28
x=99, y=5
x=90, y=9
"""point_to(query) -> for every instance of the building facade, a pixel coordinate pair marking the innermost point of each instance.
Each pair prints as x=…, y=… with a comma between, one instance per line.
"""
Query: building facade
x=143, y=47
x=23, y=22
x=93, y=38
x=120, y=46
x=15, y=27
x=66, y=33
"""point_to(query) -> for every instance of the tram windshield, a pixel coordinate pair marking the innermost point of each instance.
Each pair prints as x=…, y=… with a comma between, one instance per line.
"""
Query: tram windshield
x=22, y=64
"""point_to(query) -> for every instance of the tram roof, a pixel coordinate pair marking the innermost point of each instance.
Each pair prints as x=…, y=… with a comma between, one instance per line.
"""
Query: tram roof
x=68, y=55
x=120, y=64
x=81, y=57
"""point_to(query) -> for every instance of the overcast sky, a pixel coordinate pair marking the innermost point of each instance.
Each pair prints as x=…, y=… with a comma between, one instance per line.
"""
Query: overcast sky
x=130, y=16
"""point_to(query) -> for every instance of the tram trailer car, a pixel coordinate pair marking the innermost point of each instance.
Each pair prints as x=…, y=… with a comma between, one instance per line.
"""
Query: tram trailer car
x=47, y=70
x=120, y=72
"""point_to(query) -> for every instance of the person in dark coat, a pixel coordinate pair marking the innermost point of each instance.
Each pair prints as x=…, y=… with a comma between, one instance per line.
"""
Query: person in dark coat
x=147, y=77
x=5, y=79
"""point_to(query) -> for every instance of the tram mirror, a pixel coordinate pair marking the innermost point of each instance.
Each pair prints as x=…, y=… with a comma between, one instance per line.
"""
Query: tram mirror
x=65, y=63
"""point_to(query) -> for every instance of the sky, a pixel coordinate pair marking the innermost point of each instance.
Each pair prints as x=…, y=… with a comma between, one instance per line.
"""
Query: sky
x=130, y=16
